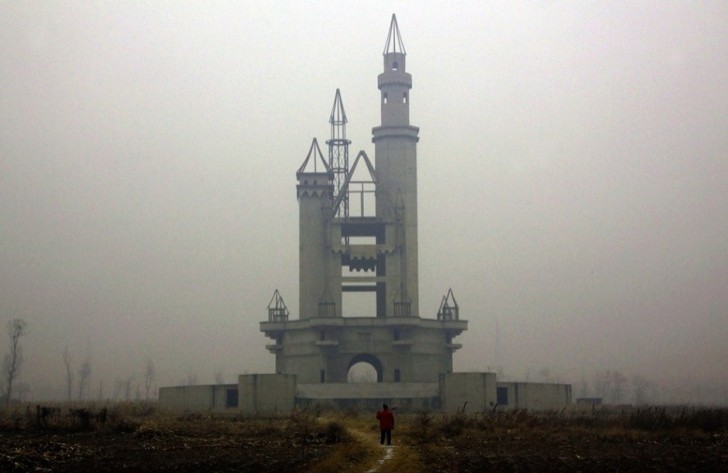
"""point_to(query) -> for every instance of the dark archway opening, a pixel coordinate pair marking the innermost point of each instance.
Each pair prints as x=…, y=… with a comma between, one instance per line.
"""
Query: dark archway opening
x=365, y=368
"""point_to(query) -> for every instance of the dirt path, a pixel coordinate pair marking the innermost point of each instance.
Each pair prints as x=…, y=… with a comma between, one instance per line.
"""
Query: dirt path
x=387, y=458
x=387, y=455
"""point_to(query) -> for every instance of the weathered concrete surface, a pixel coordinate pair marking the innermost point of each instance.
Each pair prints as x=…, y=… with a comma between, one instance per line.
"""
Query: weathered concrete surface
x=536, y=396
x=474, y=391
x=417, y=350
x=266, y=393
x=203, y=397
x=367, y=390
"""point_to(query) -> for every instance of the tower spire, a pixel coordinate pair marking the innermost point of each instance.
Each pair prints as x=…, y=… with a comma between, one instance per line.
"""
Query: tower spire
x=394, y=38
x=339, y=152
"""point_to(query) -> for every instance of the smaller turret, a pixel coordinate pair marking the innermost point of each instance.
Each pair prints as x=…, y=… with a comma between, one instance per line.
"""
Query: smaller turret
x=317, y=263
x=395, y=83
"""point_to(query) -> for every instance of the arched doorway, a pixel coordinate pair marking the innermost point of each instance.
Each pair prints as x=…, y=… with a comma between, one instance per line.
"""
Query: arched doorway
x=364, y=368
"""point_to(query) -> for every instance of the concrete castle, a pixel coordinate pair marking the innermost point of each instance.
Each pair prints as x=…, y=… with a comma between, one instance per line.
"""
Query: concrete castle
x=361, y=236
x=358, y=234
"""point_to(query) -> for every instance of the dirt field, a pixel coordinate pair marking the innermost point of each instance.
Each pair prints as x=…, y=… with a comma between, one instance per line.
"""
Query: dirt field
x=134, y=438
x=618, y=440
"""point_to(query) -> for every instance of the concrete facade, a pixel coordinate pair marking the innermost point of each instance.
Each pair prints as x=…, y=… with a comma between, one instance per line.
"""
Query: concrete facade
x=271, y=394
x=473, y=392
x=533, y=396
x=266, y=393
x=400, y=349
x=369, y=396
x=196, y=398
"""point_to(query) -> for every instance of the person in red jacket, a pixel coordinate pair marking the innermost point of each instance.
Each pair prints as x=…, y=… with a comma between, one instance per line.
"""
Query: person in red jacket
x=386, y=424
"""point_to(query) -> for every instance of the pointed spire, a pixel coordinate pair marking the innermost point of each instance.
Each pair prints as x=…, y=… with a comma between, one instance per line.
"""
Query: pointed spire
x=394, y=39
x=277, y=310
x=315, y=152
x=338, y=115
x=449, y=309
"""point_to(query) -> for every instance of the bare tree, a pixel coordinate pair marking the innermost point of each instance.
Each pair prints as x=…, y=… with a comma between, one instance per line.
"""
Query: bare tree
x=150, y=374
x=603, y=384
x=618, y=382
x=545, y=374
x=191, y=379
x=127, y=387
x=123, y=387
x=219, y=377
x=84, y=373
x=100, y=391
x=14, y=358
x=640, y=385
x=69, y=373
x=22, y=390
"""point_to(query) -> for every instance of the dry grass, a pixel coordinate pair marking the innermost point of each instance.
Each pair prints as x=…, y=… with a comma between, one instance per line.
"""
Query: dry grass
x=320, y=442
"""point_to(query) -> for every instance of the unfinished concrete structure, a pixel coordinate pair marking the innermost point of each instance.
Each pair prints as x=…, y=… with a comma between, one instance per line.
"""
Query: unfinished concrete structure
x=358, y=234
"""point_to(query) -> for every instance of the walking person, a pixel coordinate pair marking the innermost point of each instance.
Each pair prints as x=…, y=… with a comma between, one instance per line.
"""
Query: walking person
x=386, y=424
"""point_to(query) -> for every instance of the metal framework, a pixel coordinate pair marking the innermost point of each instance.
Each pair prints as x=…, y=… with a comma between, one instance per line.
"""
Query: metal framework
x=363, y=188
x=277, y=310
x=394, y=42
x=339, y=154
x=449, y=309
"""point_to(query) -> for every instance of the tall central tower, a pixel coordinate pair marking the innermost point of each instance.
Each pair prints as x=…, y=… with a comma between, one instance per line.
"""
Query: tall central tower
x=395, y=149
x=360, y=235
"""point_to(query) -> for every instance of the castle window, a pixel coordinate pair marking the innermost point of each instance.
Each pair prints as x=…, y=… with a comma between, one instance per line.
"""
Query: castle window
x=395, y=65
x=231, y=397
x=404, y=97
x=385, y=98
x=397, y=375
x=395, y=334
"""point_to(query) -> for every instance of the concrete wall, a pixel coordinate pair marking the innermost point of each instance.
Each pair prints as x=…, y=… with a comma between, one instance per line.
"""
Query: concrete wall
x=406, y=397
x=419, y=349
x=478, y=390
x=534, y=396
x=266, y=393
x=205, y=397
x=279, y=394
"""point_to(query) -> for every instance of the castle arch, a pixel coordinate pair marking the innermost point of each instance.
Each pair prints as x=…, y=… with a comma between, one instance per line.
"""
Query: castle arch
x=368, y=359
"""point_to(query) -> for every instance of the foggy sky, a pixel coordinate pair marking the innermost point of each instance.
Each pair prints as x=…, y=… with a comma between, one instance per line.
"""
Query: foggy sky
x=572, y=178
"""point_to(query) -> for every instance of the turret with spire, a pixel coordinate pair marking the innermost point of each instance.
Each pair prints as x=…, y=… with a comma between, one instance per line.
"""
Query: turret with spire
x=358, y=242
x=395, y=83
x=395, y=144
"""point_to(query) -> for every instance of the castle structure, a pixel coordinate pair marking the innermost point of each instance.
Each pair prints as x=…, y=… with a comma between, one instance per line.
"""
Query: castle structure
x=358, y=234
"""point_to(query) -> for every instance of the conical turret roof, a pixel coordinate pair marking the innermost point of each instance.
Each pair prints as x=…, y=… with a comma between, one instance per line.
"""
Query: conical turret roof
x=313, y=160
x=338, y=115
x=394, y=38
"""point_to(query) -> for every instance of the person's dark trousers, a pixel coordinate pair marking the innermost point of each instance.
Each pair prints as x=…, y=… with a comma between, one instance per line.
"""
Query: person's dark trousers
x=388, y=435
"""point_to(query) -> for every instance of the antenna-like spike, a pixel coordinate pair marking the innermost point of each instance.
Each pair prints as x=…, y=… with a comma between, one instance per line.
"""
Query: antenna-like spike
x=338, y=115
x=394, y=38
x=339, y=151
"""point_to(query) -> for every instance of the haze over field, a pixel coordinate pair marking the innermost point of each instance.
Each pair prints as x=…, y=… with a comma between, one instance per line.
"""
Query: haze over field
x=573, y=180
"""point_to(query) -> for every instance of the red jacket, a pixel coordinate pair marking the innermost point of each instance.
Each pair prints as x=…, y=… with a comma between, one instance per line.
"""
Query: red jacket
x=386, y=419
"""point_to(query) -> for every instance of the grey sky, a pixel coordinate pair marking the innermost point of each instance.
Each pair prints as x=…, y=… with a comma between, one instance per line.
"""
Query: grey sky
x=573, y=177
